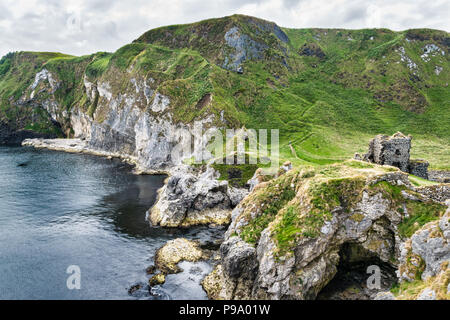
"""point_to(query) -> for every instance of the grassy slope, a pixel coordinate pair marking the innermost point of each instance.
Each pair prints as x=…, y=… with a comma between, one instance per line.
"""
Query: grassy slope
x=300, y=211
x=17, y=72
x=327, y=106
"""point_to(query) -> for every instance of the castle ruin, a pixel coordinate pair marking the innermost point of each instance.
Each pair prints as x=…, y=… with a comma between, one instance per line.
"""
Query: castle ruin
x=395, y=151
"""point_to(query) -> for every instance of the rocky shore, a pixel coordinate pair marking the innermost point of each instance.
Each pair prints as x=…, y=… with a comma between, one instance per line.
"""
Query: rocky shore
x=82, y=146
x=191, y=195
x=289, y=238
x=291, y=235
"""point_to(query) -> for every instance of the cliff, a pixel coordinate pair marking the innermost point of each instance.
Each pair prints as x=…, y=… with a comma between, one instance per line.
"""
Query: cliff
x=290, y=237
x=328, y=89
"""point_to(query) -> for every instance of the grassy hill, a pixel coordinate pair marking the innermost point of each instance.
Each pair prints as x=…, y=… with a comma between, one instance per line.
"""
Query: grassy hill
x=327, y=90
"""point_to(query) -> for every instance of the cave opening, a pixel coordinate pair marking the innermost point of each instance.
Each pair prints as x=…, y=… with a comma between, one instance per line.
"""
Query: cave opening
x=353, y=278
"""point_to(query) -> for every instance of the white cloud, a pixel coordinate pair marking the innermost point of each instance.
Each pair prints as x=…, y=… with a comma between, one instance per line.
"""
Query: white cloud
x=82, y=27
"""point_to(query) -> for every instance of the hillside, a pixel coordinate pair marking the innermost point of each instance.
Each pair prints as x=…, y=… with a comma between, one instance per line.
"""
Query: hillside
x=327, y=90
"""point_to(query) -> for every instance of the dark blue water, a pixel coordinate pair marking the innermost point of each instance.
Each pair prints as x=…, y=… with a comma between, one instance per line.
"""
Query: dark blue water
x=59, y=209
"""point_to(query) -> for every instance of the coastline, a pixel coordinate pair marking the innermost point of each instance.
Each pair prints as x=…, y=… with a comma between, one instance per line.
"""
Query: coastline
x=75, y=145
x=182, y=253
x=213, y=199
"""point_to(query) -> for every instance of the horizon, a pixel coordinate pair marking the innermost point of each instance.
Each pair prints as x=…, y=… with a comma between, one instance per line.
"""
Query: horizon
x=84, y=28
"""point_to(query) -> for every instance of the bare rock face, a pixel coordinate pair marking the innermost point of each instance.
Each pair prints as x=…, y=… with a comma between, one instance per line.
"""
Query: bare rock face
x=244, y=48
x=122, y=125
x=424, y=262
x=191, y=198
x=427, y=253
x=175, y=251
x=312, y=49
x=286, y=244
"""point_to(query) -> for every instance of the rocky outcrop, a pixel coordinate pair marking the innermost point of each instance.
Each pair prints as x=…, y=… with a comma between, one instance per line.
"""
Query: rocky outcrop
x=192, y=197
x=427, y=253
x=423, y=270
x=136, y=125
x=286, y=238
x=312, y=49
x=175, y=251
x=244, y=48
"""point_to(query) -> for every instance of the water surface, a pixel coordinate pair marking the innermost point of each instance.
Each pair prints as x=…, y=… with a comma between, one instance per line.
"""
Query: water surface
x=59, y=209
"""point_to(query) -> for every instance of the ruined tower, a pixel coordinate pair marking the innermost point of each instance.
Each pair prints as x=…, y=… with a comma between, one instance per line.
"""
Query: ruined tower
x=395, y=151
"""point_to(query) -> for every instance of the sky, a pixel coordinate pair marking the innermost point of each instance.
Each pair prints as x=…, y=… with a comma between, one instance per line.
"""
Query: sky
x=81, y=27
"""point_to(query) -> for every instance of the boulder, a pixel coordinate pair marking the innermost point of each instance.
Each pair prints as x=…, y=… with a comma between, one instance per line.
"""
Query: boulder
x=175, y=251
x=191, y=197
x=157, y=279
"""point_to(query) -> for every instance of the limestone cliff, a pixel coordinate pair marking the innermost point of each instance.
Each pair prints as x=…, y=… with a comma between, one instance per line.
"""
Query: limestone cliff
x=328, y=89
x=286, y=238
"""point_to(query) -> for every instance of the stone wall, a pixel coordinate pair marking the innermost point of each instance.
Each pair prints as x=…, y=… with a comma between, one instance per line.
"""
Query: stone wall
x=439, y=176
x=418, y=168
x=395, y=151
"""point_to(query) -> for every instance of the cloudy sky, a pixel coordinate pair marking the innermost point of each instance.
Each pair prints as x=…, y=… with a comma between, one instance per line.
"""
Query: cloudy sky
x=86, y=26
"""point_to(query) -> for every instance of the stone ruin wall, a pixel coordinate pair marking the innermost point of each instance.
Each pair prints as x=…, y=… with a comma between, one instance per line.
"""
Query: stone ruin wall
x=395, y=151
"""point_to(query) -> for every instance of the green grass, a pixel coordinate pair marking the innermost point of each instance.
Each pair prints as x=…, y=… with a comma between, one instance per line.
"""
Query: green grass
x=125, y=55
x=328, y=108
x=420, y=214
x=419, y=182
x=275, y=201
x=98, y=65
x=237, y=175
x=394, y=192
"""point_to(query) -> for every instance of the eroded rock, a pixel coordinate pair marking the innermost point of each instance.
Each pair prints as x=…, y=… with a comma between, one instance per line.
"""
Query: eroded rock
x=175, y=251
x=157, y=279
x=309, y=216
x=191, y=198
